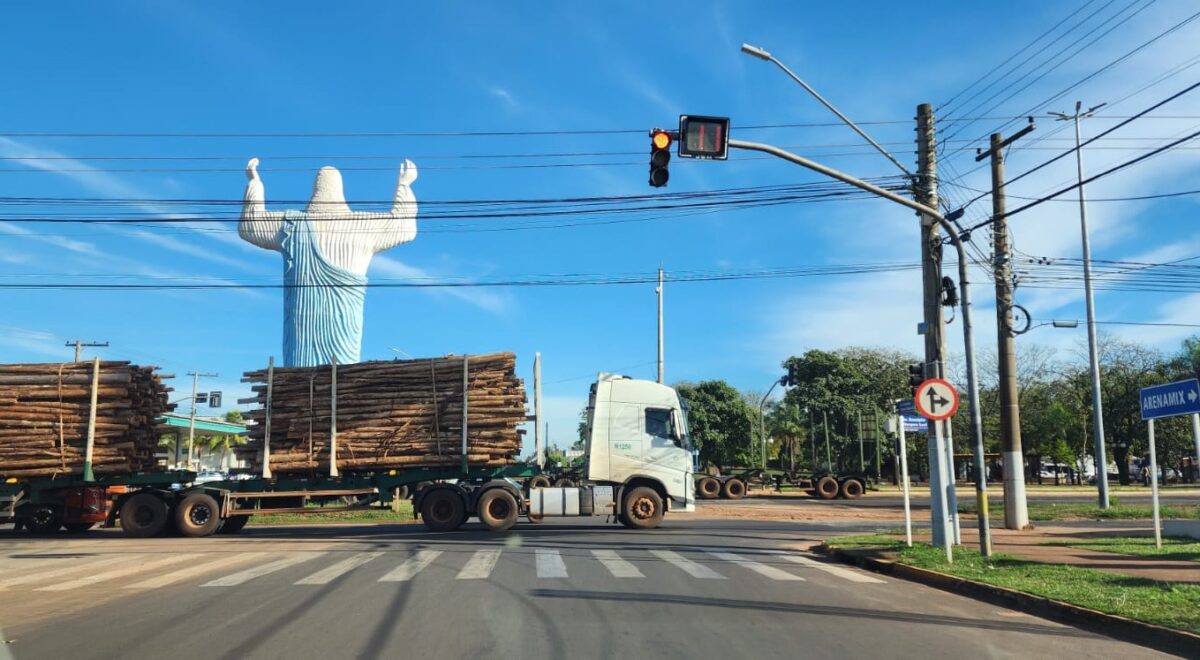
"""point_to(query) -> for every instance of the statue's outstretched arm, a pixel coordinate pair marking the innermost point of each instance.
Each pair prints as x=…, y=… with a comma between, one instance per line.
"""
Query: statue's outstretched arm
x=400, y=224
x=258, y=225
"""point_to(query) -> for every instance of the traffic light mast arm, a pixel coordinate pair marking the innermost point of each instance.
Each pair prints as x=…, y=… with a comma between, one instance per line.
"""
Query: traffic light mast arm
x=963, y=280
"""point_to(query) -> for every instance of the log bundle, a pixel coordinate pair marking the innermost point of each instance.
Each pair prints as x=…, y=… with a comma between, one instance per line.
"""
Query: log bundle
x=44, y=410
x=390, y=414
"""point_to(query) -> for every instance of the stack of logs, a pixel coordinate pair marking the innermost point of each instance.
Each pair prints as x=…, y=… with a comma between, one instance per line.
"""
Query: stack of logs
x=390, y=414
x=44, y=411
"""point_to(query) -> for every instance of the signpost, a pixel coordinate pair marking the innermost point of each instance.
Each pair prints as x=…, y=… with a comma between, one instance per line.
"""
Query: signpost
x=901, y=427
x=1157, y=402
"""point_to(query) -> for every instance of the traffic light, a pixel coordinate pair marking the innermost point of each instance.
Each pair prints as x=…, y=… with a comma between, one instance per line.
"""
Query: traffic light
x=916, y=376
x=792, y=377
x=660, y=157
x=703, y=137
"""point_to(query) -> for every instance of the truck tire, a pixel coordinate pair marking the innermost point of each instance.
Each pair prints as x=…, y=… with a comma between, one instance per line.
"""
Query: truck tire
x=852, y=489
x=233, y=524
x=497, y=509
x=708, y=488
x=827, y=487
x=734, y=489
x=540, y=481
x=642, y=508
x=44, y=519
x=143, y=515
x=197, y=515
x=79, y=527
x=442, y=510
x=564, y=483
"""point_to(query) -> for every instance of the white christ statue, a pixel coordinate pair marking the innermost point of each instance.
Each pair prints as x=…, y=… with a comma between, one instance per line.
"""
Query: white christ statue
x=326, y=251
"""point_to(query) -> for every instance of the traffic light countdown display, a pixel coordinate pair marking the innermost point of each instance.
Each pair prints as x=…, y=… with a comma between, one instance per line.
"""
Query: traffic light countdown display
x=660, y=157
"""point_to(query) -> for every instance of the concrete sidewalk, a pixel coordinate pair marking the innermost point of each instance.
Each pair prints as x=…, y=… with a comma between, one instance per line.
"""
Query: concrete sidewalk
x=1032, y=545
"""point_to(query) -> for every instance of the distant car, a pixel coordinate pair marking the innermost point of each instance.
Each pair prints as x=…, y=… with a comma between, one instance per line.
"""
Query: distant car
x=206, y=477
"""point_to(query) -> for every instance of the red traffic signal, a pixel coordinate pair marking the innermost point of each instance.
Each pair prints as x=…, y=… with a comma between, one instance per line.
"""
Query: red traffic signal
x=703, y=137
x=660, y=157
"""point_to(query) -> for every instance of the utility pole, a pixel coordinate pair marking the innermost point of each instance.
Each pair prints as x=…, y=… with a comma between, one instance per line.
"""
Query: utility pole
x=1093, y=349
x=196, y=376
x=925, y=193
x=79, y=344
x=1016, y=511
x=659, y=291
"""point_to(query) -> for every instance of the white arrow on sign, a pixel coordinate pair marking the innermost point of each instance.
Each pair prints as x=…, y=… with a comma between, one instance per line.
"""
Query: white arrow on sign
x=936, y=399
x=1192, y=396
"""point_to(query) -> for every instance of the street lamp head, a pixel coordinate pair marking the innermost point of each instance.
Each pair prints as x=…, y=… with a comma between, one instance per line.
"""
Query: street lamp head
x=1061, y=116
x=756, y=52
x=1065, y=324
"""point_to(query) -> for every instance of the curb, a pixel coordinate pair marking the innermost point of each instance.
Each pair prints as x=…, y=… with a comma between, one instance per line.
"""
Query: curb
x=1160, y=638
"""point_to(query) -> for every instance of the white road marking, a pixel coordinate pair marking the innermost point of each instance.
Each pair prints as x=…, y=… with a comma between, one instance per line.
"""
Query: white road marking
x=689, y=566
x=262, y=569
x=201, y=568
x=81, y=564
x=833, y=569
x=480, y=565
x=617, y=566
x=327, y=575
x=550, y=564
x=413, y=565
x=133, y=568
x=761, y=569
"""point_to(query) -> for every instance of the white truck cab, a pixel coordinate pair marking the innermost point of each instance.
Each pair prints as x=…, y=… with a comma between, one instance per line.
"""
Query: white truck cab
x=638, y=458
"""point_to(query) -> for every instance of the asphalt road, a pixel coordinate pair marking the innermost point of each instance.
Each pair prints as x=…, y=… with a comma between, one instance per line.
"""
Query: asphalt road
x=691, y=589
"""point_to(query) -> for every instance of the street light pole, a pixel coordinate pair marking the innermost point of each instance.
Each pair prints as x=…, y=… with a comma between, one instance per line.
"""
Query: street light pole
x=1093, y=348
x=985, y=542
x=762, y=427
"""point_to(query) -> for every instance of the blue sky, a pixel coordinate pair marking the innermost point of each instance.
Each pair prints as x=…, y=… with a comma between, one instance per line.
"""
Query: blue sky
x=304, y=67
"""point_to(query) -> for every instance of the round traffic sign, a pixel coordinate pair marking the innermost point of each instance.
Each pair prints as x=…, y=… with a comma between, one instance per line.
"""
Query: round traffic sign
x=936, y=399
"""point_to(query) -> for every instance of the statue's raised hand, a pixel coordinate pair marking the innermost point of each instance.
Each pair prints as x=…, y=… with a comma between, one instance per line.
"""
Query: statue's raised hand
x=252, y=170
x=408, y=173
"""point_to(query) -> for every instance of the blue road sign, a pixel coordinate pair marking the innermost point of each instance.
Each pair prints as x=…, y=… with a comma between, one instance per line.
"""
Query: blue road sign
x=915, y=424
x=906, y=407
x=1178, y=398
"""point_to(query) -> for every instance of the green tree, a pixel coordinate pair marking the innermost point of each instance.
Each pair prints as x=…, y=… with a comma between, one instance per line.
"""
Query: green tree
x=720, y=421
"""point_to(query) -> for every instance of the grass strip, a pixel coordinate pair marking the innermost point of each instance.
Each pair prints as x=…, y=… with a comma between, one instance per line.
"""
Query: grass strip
x=1045, y=511
x=1161, y=603
x=1182, y=549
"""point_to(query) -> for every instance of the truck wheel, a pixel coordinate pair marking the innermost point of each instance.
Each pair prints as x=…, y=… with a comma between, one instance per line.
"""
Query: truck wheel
x=540, y=481
x=44, y=519
x=79, y=527
x=197, y=515
x=734, y=489
x=143, y=515
x=643, y=508
x=709, y=488
x=625, y=521
x=564, y=483
x=852, y=489
x=498, y=510
x=827, y=487
x=442, y=510
x=233, y=524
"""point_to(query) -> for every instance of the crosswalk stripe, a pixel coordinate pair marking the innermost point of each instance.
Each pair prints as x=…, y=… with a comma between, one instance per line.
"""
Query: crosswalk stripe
x=262, y=569
x=327, y=575
x=131, y=569
x=761, y=569
x=201, y=568
x=617, y=566
x=834, y=569
x=75, y=565
x=22, y=565
x=689, y=566
x=480, y=565
x=550, y=564
x=413, y=565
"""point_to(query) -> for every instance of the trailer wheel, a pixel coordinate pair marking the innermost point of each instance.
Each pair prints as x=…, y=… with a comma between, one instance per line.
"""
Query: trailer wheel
x=143, y=515
x=734, y=489
x=540, y=481
x=827, y=487
x=79, y=527
x=564, y=483
x=498, y=509
x=852, y=489
x=709, y=488
x=442, y=510
x=197, y=515
x=643, y=508
x=233, y=524
x=44, y=519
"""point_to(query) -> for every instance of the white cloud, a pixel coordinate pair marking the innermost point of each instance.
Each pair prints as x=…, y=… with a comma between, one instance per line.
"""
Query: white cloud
x=486, y=299
x=32, y=341
x=80, y=247
x=504, y=95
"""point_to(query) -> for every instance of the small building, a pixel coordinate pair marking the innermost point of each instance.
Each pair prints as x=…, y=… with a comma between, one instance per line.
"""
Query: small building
x=215, y=439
